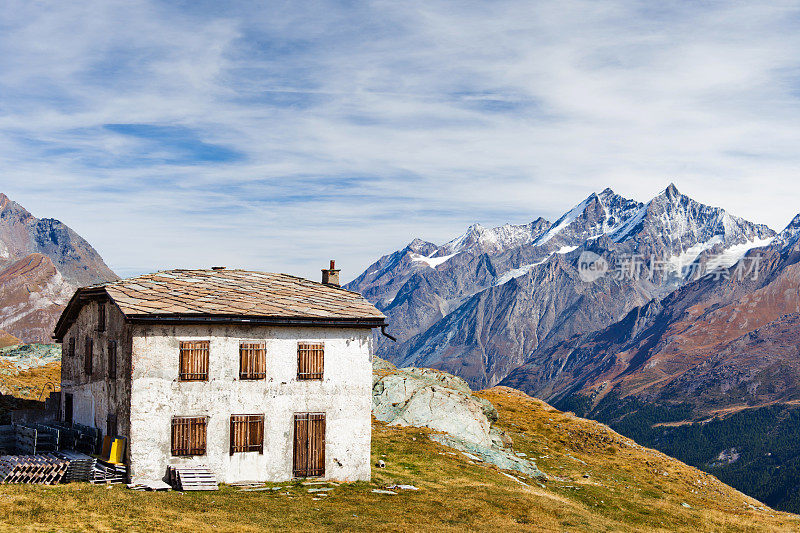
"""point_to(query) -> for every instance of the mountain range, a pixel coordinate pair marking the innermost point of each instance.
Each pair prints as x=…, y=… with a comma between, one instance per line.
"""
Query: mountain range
x=674, y=322
x=485, y=303
x=42, y=261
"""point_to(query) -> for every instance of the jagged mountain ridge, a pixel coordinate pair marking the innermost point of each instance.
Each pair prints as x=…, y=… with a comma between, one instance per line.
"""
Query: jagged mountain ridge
x=479, y=312
x=708, y=343
x=42, y=261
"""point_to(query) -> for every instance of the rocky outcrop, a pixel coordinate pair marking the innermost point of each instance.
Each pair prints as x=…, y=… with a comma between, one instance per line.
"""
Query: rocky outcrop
x=423, y=397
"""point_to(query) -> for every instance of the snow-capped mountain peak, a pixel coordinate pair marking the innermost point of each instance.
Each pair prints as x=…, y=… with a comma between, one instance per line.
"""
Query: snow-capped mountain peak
x=481, y=239
x=790, y=234
x=596, y=215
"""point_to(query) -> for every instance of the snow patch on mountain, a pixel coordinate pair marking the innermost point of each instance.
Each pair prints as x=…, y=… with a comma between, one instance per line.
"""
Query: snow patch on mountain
x=678, y=262
x=432, y=262
x=734, y=254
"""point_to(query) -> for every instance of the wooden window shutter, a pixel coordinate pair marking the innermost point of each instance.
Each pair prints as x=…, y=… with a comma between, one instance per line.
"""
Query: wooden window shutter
x=309, y=445
x=189, y=435
x=71, y=347
x=194, y=360
x=101, y=316
x=252, y=360
x=310, y=360
x=247, y=433
x=88, y=357
x=112, y=359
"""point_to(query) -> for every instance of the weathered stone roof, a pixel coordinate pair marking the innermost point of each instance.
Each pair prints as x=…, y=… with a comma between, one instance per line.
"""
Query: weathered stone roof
x=231, y=294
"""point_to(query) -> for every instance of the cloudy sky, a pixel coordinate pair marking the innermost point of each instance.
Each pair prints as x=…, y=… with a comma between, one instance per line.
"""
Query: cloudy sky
x=276, y=135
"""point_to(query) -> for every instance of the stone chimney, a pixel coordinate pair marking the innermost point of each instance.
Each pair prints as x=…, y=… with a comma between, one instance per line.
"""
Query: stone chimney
x=330, y=276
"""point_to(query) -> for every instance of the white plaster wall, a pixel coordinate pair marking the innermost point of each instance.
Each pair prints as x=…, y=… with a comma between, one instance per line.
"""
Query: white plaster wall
x=344, y=395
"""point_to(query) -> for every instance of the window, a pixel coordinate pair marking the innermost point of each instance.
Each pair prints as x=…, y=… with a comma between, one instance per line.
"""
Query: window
x=309, y=445
x=88, y=362
x=189, y=435
x=111, y=425
x=112, y=359
x=194, y=360
x=310, y=360
x=252, y=360
x=247, y=433
x=71, y=347
x=101, y=316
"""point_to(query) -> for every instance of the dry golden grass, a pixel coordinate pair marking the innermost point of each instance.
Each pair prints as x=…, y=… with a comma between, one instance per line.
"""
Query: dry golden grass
x=29, y=384
x=626, y=491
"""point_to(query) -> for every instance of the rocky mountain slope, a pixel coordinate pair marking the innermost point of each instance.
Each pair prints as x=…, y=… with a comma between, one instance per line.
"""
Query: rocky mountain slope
x=718, y=342
x=717, y=346
x=479, y=305
x=42, y=261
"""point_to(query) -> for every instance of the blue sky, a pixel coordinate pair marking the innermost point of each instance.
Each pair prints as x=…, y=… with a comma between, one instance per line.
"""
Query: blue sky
x=277, y=135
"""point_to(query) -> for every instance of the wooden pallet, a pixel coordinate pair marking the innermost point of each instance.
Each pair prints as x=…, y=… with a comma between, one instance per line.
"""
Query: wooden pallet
x=46, y=469
x=192, y=478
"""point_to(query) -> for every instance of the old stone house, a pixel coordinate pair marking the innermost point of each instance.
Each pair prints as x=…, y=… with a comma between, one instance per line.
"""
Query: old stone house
x=258, y=376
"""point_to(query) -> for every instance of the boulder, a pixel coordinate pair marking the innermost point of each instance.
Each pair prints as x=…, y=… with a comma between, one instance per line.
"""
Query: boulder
x=423, y=397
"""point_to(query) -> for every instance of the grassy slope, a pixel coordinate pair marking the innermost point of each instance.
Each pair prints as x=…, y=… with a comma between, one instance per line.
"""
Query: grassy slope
x=626, y=491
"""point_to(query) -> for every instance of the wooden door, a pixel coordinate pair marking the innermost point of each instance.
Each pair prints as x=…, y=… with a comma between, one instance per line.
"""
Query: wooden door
x=68, y=408
x=309, y=445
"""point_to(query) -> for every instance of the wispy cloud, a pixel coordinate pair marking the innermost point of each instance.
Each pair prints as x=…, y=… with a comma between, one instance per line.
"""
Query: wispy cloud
x=278, y=135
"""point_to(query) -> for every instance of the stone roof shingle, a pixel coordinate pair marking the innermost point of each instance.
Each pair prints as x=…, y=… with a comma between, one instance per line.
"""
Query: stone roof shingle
x=235, y=292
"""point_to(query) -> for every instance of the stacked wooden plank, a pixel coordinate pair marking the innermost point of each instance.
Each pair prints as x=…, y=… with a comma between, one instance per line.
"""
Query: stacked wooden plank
x=80, y=467
x=108, y=473
x=47, y=469
x=188, y=477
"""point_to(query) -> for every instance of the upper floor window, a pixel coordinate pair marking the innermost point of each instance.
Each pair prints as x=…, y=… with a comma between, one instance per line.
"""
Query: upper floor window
x=112, y=359
x=101, y=316
x=88, y=357
x=189, y=435
x=252, y=360
x=247, y=433
x=194, y=360
x=71, y=347
x=310, y=360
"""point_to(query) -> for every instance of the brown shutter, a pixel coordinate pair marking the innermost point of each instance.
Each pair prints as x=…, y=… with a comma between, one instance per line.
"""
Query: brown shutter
x=194, y=360
x=316, y=465
x=101, y=316
x=112, y=359
x=88, y=356
x=189, y=435
x=252, y=360
x=310, y=360
x=309, y=445
x=247, y=433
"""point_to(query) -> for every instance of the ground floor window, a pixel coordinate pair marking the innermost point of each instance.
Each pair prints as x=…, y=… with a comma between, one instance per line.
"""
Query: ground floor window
x=309, y=445
x=247, y=433
x=189, y=435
